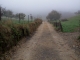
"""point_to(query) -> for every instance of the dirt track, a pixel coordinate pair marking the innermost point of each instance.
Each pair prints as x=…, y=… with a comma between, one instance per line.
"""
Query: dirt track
x=46, y=44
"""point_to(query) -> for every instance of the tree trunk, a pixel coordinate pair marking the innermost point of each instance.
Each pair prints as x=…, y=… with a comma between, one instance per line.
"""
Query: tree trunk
x=0, y=14
x=28, y=18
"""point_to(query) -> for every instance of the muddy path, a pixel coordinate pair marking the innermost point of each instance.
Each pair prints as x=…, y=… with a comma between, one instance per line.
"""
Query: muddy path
x=46, y=44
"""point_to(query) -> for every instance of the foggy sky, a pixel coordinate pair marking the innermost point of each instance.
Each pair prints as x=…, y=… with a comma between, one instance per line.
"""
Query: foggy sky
x=40, y=6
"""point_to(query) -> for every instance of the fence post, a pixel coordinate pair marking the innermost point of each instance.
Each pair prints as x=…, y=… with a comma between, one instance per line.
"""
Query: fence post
x=61, y=26
x=56, y=23
x=79, y=27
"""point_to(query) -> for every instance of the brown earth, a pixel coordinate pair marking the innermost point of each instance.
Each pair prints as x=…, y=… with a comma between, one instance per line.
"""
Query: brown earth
x=72, y=40
x=46, y=44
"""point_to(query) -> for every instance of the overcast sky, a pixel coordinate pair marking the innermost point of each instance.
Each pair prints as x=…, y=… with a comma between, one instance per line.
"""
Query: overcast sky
x=40, y=6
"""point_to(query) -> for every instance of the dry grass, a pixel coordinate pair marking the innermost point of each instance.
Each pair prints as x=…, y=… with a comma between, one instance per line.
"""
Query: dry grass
x=11, y=33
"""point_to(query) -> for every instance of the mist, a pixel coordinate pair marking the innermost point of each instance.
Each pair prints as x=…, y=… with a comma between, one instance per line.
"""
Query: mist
x=41, y=7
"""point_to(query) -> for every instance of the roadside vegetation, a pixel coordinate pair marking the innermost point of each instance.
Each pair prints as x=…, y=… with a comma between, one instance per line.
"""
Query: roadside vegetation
x=11, y=33
x=13, y=27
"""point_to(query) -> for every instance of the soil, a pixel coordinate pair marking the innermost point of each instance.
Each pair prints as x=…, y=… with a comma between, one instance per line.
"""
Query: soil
x=72, y=41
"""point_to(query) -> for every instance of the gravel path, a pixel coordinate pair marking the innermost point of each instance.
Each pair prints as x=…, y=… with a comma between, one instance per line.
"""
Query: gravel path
x=46, y=44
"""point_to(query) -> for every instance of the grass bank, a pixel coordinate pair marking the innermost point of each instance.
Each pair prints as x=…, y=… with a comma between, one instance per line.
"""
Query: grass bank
x=11, y=32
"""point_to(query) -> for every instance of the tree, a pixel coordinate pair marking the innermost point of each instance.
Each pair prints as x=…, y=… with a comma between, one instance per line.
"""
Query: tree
x=78, y=12
x=22, y=16
x=0, y=14
x=53, y=15
x=17, y=16
x=3, y=11
x=9, y=13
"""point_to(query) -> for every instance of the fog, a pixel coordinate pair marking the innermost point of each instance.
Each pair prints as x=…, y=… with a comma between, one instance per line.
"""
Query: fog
x=41, y=7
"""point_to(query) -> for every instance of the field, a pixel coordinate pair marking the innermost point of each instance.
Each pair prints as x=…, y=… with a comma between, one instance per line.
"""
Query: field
x=71, y=25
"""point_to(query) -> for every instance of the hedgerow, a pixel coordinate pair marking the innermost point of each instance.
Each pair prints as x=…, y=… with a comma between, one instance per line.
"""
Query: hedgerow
x=10, y=33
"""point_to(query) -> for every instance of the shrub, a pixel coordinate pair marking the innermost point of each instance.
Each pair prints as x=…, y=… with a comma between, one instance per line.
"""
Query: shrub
x=5, y=38
x=10, y=33
x=64, y=20
x=16, y=33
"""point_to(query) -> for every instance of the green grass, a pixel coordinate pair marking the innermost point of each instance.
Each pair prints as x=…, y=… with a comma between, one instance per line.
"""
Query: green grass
x=14, y=21
x=71, y=24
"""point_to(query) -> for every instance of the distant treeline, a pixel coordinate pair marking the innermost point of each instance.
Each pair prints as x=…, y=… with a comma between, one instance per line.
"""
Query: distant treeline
x=10, y=14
